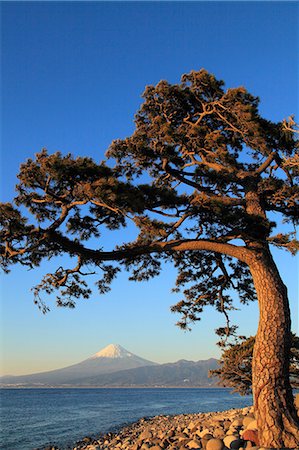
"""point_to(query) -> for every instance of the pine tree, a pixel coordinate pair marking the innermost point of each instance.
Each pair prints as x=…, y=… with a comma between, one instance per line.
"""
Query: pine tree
x=203, y=177
x=235, y=365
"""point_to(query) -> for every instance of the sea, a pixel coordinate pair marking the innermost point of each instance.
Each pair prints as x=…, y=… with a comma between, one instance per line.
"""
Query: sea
x=35, y=418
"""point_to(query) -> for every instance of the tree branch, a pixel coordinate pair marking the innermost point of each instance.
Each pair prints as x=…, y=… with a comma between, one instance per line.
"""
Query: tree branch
x=224, y=200
x=74, y=247
x=264, y=166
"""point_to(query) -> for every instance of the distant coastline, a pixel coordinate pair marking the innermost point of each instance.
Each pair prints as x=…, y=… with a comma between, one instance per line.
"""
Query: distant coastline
x=114, y=387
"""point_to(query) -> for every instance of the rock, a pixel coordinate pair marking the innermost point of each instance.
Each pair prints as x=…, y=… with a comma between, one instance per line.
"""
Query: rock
x=229, y=439
x=208, y=436
x=237, y=422
x=297, y=401
x=181, y=436
x=237, y=444
x=251, y=435
x=193, y=444
x=170, y=433
x=232, y=430
x=219, y=433
x=204, y=432
x=248, y=444
x=226, y=424
x=192, y=425
x=203, y=443
x=145, y=435
x=182, y=432
x=134, y=447
x=252, y=425
x=247, y=420
x=214, y=444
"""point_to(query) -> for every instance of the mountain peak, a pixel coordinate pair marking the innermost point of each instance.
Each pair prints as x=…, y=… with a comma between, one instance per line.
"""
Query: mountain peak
x=112, y=351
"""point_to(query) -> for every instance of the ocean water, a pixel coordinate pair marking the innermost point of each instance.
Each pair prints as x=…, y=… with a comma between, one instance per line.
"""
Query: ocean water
x=34, y=418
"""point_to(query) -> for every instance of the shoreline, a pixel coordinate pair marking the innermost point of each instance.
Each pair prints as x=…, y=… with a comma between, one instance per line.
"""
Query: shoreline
x=234, y=429
x=221, y=430
x=116, y=387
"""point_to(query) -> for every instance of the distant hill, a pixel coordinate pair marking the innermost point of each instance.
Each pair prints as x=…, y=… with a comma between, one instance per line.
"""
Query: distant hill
x=115, y=366
x=180, y=373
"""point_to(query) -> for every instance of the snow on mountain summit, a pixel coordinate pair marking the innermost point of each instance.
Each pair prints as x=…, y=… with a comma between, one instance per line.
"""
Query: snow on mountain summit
x=113, y=351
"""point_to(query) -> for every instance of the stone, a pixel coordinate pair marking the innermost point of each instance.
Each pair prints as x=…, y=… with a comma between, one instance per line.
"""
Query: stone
x=208, y=436
x=237, y=444
x=226, y=424
x=297, y=401
x=204, y=432
x=252, y=425
x=214, y=444
x=145, y=435
x=192, y=425
x=248, y=444
x=219, y=433
x=204, y=442
x=161, y=435
x=232, y=430
x=193, y=444
x=237, y=422
x=181, y=436
x=229, y=439
x=247, y=420
x=251, y=435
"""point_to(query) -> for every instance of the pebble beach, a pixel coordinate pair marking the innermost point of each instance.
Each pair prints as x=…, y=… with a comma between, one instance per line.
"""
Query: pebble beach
x=234, y=429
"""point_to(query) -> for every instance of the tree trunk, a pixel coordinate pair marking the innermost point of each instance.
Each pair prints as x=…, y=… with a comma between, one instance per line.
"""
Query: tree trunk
x=277, y=419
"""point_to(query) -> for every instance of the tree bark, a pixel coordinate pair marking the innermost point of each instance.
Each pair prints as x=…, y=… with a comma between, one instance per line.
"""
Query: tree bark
x=276, y=415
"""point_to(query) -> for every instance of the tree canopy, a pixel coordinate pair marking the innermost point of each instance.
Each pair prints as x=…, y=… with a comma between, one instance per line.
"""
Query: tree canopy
x=185, y=178
x=235, y=368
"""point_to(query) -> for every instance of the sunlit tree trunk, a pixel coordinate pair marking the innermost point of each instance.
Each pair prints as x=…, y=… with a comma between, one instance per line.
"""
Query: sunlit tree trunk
x=277, y=418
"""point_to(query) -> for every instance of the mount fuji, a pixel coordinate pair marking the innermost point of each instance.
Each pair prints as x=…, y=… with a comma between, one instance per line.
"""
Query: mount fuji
x=114, y=366
x=112, y=358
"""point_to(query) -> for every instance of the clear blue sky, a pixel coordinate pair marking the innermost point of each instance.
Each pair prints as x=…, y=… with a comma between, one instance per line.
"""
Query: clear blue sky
x=72, y=76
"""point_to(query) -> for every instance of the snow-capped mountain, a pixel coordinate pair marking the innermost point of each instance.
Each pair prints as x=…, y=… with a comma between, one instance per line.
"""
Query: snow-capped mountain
x=114, y=351
x=114, y=366
x=110, y=359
